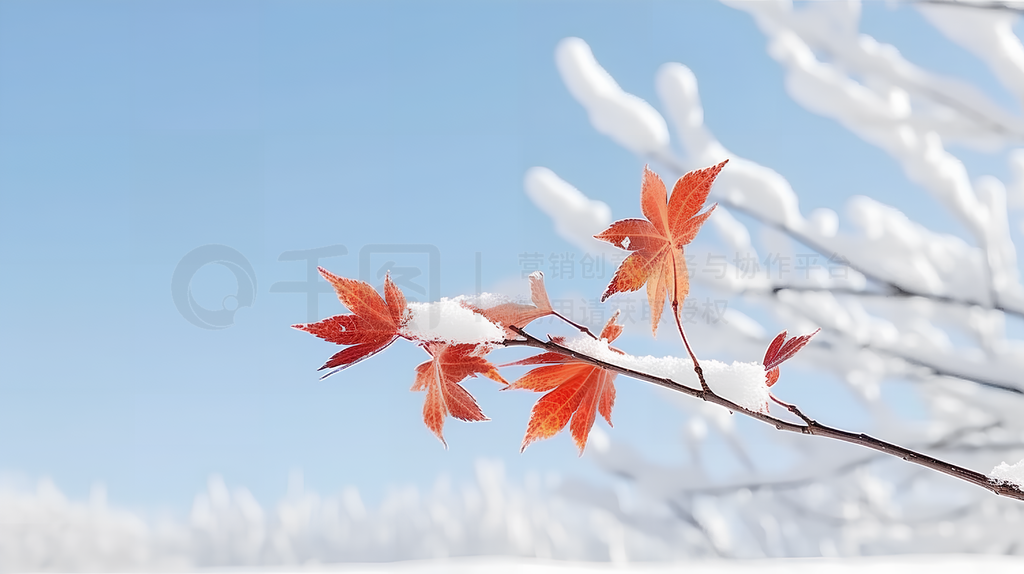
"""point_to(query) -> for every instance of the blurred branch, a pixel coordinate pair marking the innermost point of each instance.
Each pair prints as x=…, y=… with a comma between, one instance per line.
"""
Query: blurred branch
x=991, y=5
x=893, y=289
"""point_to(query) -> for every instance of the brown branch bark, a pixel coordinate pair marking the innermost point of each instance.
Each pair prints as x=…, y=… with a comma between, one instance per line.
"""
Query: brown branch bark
x=810, y=426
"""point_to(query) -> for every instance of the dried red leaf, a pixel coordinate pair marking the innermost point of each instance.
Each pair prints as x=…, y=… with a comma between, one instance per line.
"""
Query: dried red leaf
x=372, y=326
x=779, y=350
x=657, y=242
x=519, y=315
x=440, y=377
x=575, y=390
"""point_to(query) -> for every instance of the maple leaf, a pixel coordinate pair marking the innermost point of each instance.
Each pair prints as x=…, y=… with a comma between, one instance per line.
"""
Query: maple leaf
x=372, y=326
x=657, y=242
x=779, y=350
x=575, y=390
x=440, y=377
x=517, y=314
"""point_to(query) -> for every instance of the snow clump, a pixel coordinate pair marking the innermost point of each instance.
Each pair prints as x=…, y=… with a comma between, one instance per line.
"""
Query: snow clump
x=741, y=383
x=1009, y=474
x=449, y=320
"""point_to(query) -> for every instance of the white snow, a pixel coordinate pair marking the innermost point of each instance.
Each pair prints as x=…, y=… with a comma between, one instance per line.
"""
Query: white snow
x=741, y=383
x=876, y=565
x=450, y=321
x=1010, y=474
x=986, y=33
x=577, y=217
x=624, y=117
x=491, y=525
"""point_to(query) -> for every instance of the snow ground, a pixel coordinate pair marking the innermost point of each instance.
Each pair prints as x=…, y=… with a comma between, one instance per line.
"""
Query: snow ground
x=932, y=564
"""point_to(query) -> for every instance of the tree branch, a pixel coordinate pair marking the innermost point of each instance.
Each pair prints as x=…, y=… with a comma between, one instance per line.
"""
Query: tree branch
x=811, y=427
x=936, y=370
x=892, y=291
x=1003, y=6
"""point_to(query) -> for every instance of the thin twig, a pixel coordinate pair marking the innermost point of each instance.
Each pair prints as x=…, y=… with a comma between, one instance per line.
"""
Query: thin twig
x=892, y=291
x=936, y=370
x=792, y=408
x=1003, y=6
x=579, y=327
x=942, y=372
x=811, y=427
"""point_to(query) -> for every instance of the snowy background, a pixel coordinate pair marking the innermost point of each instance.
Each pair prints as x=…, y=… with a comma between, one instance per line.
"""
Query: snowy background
x=438, y=140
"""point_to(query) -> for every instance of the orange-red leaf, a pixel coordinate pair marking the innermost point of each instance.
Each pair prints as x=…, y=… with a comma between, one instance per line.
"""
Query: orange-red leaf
x=657, y=242
x=440, y=377
x=653, y=202
x=576, y=392
x=779, y=350
x=633, y=272
x=633, y=235
x=372, y=326
x=689, y=195
x=519, y=315
x=611, y=330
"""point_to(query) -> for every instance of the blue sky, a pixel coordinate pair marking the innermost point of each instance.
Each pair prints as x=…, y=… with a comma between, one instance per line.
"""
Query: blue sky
x=132, y=133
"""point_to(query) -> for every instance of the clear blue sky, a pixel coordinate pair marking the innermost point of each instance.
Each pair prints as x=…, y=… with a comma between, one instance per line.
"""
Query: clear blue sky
x=134, y=132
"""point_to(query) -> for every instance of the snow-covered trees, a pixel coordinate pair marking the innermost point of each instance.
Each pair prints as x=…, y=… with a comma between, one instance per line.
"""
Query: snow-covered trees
x=910, y=303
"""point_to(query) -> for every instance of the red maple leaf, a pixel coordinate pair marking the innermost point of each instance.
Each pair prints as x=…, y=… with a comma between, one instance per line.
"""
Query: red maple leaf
x=440, y=377
x=657, y=242
x=779, y=350
x=372, y=326
x=575, y=390
x=519, y=315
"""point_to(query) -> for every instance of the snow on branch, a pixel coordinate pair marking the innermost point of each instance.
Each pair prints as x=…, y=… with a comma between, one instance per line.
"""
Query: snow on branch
x=453, y=321
x=1009, y=474
x=741, y=383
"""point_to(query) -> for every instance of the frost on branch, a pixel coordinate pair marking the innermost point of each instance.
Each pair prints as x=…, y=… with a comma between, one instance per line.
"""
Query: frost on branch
x=1009, y=474
x=741, y=383
x=986, y=33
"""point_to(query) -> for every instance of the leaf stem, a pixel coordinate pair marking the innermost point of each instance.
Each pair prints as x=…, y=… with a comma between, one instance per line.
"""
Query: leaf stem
x=675, y=313
x=696, y=364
